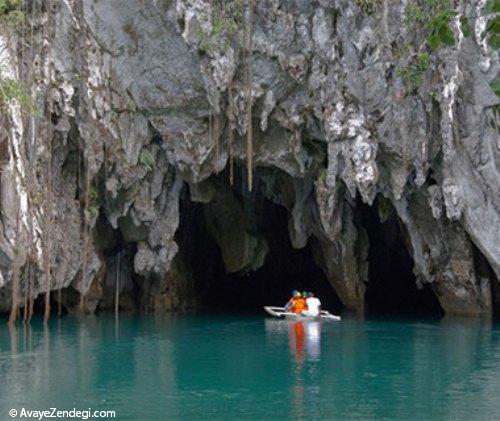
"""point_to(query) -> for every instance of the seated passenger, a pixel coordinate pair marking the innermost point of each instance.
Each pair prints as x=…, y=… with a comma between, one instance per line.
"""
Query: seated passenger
x=289, y=304
x=299, y=304
x=313, y=306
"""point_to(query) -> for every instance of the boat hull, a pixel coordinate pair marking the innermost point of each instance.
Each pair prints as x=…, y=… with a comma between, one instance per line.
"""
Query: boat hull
x=281, y=313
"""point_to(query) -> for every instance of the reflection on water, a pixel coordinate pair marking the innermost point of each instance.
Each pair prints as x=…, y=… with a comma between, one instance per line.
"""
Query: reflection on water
x=254, y=368
x=304, y=337
x=305, y=343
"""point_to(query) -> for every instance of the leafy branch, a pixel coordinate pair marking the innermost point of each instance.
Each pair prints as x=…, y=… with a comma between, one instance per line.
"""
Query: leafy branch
x=435, y=17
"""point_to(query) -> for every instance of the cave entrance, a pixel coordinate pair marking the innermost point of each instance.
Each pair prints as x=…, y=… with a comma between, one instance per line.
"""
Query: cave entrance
x=283, y=270
x=392, y=287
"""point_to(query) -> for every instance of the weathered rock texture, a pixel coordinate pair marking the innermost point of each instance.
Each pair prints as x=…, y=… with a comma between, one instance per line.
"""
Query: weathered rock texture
x=138, y=106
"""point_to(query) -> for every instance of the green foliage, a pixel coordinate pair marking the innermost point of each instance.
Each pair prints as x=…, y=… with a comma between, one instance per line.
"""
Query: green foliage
x=11, y=12
x=495, y=85
x=147, y=159
x=434, y=17
x=492, y=30
x=492, y=6
x=439, y=29
x=413, y=74
x=368, y=6
x=464, y=24
x=323, y=173
x=10, y=91
x=225, y=26
x=492, y=34
x=93, y=194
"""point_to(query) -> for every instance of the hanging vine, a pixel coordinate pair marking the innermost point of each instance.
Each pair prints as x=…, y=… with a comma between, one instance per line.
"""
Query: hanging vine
x=16, y=267
x=248, y=86
x=117, y=284
x=231, y=133
x=86, y=228
x=17, y=105
x=216, y=135
x=47, y=250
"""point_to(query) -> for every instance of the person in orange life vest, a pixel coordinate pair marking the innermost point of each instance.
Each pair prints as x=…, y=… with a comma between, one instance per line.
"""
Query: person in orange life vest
x=299, y=304
x=289, y=304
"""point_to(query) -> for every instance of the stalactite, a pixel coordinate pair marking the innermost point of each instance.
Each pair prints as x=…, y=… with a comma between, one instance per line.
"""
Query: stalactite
x=248, y=82
x=231, y=133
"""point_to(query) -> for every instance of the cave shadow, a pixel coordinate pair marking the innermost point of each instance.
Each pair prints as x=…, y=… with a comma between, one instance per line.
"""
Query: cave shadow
x=392, y=287
x=284, y=268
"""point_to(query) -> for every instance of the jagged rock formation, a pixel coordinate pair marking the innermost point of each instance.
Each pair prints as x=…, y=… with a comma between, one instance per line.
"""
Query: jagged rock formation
x=143, y=97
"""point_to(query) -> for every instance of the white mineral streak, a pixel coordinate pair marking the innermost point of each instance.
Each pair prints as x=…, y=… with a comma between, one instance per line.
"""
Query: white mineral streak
x=19, y=224
x=451, y=78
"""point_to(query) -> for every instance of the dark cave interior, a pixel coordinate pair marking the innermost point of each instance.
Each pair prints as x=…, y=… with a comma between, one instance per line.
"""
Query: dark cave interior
x=392, y=287
x=284, y=268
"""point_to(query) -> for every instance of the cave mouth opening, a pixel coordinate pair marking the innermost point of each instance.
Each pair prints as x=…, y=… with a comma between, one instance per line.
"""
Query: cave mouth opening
x=283, y=270
x=392, y=286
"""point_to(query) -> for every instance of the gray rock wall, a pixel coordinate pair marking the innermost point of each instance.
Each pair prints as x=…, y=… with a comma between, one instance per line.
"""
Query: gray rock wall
x=143, y=97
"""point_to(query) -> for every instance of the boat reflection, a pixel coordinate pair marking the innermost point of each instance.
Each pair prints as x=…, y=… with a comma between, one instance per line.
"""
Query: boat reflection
x=304, y=337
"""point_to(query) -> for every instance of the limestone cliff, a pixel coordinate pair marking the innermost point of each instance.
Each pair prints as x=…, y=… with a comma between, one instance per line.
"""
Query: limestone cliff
x=141, y=101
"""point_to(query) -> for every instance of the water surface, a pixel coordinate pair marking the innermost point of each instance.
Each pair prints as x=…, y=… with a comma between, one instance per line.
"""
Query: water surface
x=253, y=367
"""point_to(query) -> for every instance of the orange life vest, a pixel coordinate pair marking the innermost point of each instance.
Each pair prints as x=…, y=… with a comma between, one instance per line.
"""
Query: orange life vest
x=298, y=305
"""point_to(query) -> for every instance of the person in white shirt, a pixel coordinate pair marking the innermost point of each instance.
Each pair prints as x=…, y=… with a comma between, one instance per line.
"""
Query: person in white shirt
x=313, y=306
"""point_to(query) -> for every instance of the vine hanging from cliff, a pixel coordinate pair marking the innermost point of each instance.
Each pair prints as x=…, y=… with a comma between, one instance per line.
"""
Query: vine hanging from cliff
x=230, y=113
x=248, y=89
x=48, y=35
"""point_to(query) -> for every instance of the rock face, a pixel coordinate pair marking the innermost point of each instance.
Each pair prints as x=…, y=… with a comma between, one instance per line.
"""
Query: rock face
x=146, y=100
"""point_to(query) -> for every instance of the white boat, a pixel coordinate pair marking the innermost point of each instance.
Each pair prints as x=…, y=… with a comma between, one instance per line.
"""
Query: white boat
x=282, y=313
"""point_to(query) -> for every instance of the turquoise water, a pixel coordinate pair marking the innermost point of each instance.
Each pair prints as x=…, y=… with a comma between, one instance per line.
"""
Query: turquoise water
x=252, y=367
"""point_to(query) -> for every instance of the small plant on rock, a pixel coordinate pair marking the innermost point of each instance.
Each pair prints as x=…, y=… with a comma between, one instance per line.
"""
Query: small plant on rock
x=225, y=25
x=11, y=90
x=11, y=12
x=368, y=6
x=147, y=159
x=413, y=74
